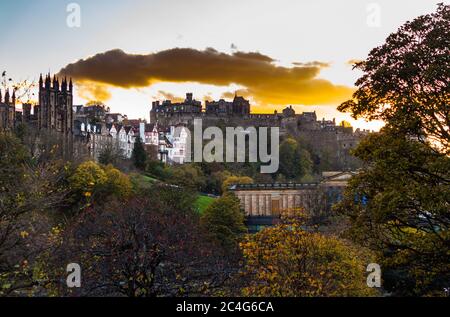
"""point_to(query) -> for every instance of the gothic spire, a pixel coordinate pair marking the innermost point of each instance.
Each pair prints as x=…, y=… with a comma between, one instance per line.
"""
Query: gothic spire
x=7, y=96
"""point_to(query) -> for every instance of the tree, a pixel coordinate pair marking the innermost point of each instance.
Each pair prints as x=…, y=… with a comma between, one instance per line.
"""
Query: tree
x=398, y=203
x=233, y=179
x=29, y=191
x=188, y=175
x=110, y=154
x=142, y=247
x=139, y=155
x=224, y=220
x=87, y=180
x=117, y=184
x=295, y=159
x=398, y=206
x=406, y=81
x=286, y=260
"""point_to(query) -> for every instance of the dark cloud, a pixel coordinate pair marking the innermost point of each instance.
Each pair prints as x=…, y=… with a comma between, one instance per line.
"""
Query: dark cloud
x=266, y=82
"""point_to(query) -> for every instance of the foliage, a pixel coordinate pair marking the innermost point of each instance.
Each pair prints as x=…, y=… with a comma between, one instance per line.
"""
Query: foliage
x=117, y=184
x=224, y=220
x=285, y=260
x=139, y=155
x=141, y=247
x=109, y=155
x=92, y=182
x=87, y=179
x=295, y=159
x=399, y=203
x=157, y=169
x=29, y=190
x=232, y=179
x=406, y=81
x=188, y=175
x=399, y=206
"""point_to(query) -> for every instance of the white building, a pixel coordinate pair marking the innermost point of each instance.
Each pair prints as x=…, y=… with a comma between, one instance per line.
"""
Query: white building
x=179, y=139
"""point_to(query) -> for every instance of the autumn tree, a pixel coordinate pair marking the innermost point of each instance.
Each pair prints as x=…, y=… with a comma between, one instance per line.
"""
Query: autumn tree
x=91, y=182
x=146, y=246
x=30, y=192
x=235, y=180
x=286, y=260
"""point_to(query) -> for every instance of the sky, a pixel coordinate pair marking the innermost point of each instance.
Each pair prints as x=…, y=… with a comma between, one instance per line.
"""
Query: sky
x=274, y=52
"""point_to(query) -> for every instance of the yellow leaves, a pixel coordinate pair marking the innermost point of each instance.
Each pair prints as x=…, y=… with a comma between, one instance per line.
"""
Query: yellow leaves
x=24, y=234
x=287, y=261
x=87, y=194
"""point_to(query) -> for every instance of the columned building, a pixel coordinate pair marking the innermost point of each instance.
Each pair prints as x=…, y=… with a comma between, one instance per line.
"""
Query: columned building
x=262, y=204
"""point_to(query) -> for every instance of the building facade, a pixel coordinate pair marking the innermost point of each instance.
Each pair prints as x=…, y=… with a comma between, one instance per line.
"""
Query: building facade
x=7, y=111
x=263, y=204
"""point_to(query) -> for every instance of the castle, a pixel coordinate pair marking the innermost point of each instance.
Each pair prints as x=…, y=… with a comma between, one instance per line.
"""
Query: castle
x=329, y=141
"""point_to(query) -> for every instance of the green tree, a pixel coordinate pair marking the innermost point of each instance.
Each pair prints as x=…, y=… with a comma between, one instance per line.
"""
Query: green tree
x=139, y=155
x=295, y=159
x=224, y=220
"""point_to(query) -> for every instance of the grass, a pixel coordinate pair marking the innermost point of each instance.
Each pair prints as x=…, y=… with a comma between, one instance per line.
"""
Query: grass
x=202, y=203
x=142, y=181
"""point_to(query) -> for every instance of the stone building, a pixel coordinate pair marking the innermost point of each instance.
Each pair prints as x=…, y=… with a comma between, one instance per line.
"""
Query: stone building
x=262, y=204
x=55, y=110
x=7, y=111
x=169, y=109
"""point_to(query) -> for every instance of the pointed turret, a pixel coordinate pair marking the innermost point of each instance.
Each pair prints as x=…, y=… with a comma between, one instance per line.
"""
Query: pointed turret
x=7, y=96
x=64, y=85
x=14, y=96
x=70, y=85
x=47, y=81
x=41, y=82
